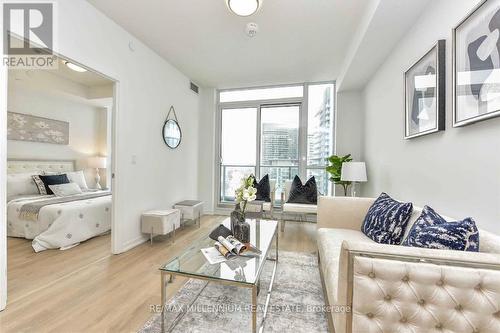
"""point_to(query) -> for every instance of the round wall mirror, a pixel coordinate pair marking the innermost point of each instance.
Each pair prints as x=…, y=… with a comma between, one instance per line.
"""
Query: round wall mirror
x=172, y=134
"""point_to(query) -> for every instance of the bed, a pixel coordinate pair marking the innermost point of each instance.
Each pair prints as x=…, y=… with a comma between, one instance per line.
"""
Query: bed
x=59, y=223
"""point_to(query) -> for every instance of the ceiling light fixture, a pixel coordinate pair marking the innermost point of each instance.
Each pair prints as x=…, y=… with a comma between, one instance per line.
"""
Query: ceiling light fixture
x=243, y=7
x=74, y=67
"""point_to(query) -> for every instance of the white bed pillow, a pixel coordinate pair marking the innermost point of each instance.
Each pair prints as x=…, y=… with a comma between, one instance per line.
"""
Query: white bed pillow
x=21, y=184
x=79, y=178
x=64, y=190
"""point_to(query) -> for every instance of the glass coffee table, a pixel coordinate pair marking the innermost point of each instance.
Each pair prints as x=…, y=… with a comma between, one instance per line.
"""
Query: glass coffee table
x=239, y=271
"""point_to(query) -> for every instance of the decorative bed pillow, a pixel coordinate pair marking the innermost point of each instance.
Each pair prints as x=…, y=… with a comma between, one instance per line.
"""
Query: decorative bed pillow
x=386, y=220
x=263, y=189
x=20, y=184
x=39, y=184
x=303, y=194
x=79, y=178
x=64, y=190
x=433, y=232
x=53, y=180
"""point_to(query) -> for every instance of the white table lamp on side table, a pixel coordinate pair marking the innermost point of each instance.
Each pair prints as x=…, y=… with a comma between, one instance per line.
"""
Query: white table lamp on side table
x=354, y=172
x=97, y=163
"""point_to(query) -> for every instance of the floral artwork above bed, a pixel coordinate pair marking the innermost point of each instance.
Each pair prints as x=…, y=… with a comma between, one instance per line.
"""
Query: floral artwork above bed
x=24, y=127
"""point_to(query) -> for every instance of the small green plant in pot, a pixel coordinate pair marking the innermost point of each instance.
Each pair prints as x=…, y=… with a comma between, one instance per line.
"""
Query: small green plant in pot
x=335, y=170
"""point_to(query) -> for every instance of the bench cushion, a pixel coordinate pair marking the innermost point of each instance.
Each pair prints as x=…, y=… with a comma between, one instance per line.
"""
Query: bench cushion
x=300, y=208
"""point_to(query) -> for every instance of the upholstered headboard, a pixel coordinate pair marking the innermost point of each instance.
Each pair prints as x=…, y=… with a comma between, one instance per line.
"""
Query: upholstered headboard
x=22, y=166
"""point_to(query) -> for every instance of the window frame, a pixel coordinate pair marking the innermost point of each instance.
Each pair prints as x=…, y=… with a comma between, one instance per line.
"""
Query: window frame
x=302, y=102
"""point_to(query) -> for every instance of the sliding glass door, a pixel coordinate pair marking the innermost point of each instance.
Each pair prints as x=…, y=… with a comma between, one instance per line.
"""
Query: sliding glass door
x=279, y=143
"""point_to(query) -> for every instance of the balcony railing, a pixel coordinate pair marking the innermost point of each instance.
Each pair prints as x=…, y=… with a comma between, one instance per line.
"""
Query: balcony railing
x=229, y=182
x=230, y=179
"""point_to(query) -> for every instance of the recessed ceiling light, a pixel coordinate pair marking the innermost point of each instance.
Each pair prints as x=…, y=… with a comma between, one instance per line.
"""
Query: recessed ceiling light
x=74, y=67
x=243, y=7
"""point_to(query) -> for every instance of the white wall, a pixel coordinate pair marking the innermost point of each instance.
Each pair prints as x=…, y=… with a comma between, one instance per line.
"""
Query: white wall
x=350, y=124
x=3, y=173
x=148, y=174
x=206, y=166
x=350, y=129
x=457, y=171
x=37, y=94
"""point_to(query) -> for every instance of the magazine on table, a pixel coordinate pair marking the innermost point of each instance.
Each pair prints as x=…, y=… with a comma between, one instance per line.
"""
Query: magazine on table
x=226, y=247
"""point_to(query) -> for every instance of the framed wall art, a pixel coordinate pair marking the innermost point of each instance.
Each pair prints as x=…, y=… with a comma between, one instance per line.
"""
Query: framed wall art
x=476, y=65
x=425, y=92
x=25, y=127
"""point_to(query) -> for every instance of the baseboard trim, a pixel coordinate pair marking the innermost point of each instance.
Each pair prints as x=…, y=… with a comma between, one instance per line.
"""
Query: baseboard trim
x=132, y=243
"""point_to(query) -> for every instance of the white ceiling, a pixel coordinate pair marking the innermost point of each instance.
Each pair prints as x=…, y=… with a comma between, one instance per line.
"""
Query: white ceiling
x=386, y=23
x=88, y=78
x=88, y=87
x=298, y=40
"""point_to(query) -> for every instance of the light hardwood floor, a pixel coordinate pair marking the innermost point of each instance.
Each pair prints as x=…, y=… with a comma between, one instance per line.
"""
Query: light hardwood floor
x=87, y=289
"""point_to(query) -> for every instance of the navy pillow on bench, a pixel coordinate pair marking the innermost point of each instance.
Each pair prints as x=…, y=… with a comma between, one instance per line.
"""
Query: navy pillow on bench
x=303, y=194
x=434, y=232
x=263, y=189
x=386, y=220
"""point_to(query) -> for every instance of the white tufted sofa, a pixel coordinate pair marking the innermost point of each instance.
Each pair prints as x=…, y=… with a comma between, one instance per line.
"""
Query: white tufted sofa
x=373, y=287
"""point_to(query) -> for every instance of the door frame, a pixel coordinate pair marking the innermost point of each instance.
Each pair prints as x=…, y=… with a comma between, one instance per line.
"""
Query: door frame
x=3, y=187
x=115, y=247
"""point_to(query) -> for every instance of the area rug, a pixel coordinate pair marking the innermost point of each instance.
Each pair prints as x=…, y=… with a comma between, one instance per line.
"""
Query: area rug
x=296, y=304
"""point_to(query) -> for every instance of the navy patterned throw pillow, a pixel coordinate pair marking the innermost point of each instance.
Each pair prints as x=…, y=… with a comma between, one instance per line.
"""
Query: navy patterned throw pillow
x=434, y=232
x=386, y=220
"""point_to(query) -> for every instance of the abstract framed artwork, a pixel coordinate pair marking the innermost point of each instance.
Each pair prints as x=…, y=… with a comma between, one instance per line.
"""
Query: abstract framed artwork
x=25, y=127
x=476, y=65
x=424, y=84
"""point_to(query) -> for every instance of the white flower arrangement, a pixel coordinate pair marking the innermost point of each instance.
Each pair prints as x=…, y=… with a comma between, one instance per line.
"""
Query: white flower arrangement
x=245, y=193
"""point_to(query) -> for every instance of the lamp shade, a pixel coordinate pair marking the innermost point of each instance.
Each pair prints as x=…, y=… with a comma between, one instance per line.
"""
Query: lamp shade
x=353, y=172
x=97, y=162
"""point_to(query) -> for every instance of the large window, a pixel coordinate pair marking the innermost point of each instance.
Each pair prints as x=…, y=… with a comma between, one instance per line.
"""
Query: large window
x=275, y=131
x=241, y=95
x=238, y=148
x=319, y=133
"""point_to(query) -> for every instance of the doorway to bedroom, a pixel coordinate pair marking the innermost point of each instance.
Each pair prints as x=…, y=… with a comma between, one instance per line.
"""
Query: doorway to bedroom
x=59, y=174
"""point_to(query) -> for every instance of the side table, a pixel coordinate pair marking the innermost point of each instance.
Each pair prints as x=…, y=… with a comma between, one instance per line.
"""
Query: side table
x=190, y=210
x=160, y=222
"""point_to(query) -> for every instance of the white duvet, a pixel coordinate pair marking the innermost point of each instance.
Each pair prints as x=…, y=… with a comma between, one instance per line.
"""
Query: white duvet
x=60, y=226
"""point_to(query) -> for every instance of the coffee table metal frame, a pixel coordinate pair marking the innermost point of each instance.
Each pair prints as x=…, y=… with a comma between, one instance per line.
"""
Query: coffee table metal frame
x=254, y=286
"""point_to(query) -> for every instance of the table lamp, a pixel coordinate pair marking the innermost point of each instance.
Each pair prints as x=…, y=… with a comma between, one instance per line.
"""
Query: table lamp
x=97, y=162
x=354, y=172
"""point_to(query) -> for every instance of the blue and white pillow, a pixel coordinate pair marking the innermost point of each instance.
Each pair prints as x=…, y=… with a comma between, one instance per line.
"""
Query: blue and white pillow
x=434, y=232
x=386, y=220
